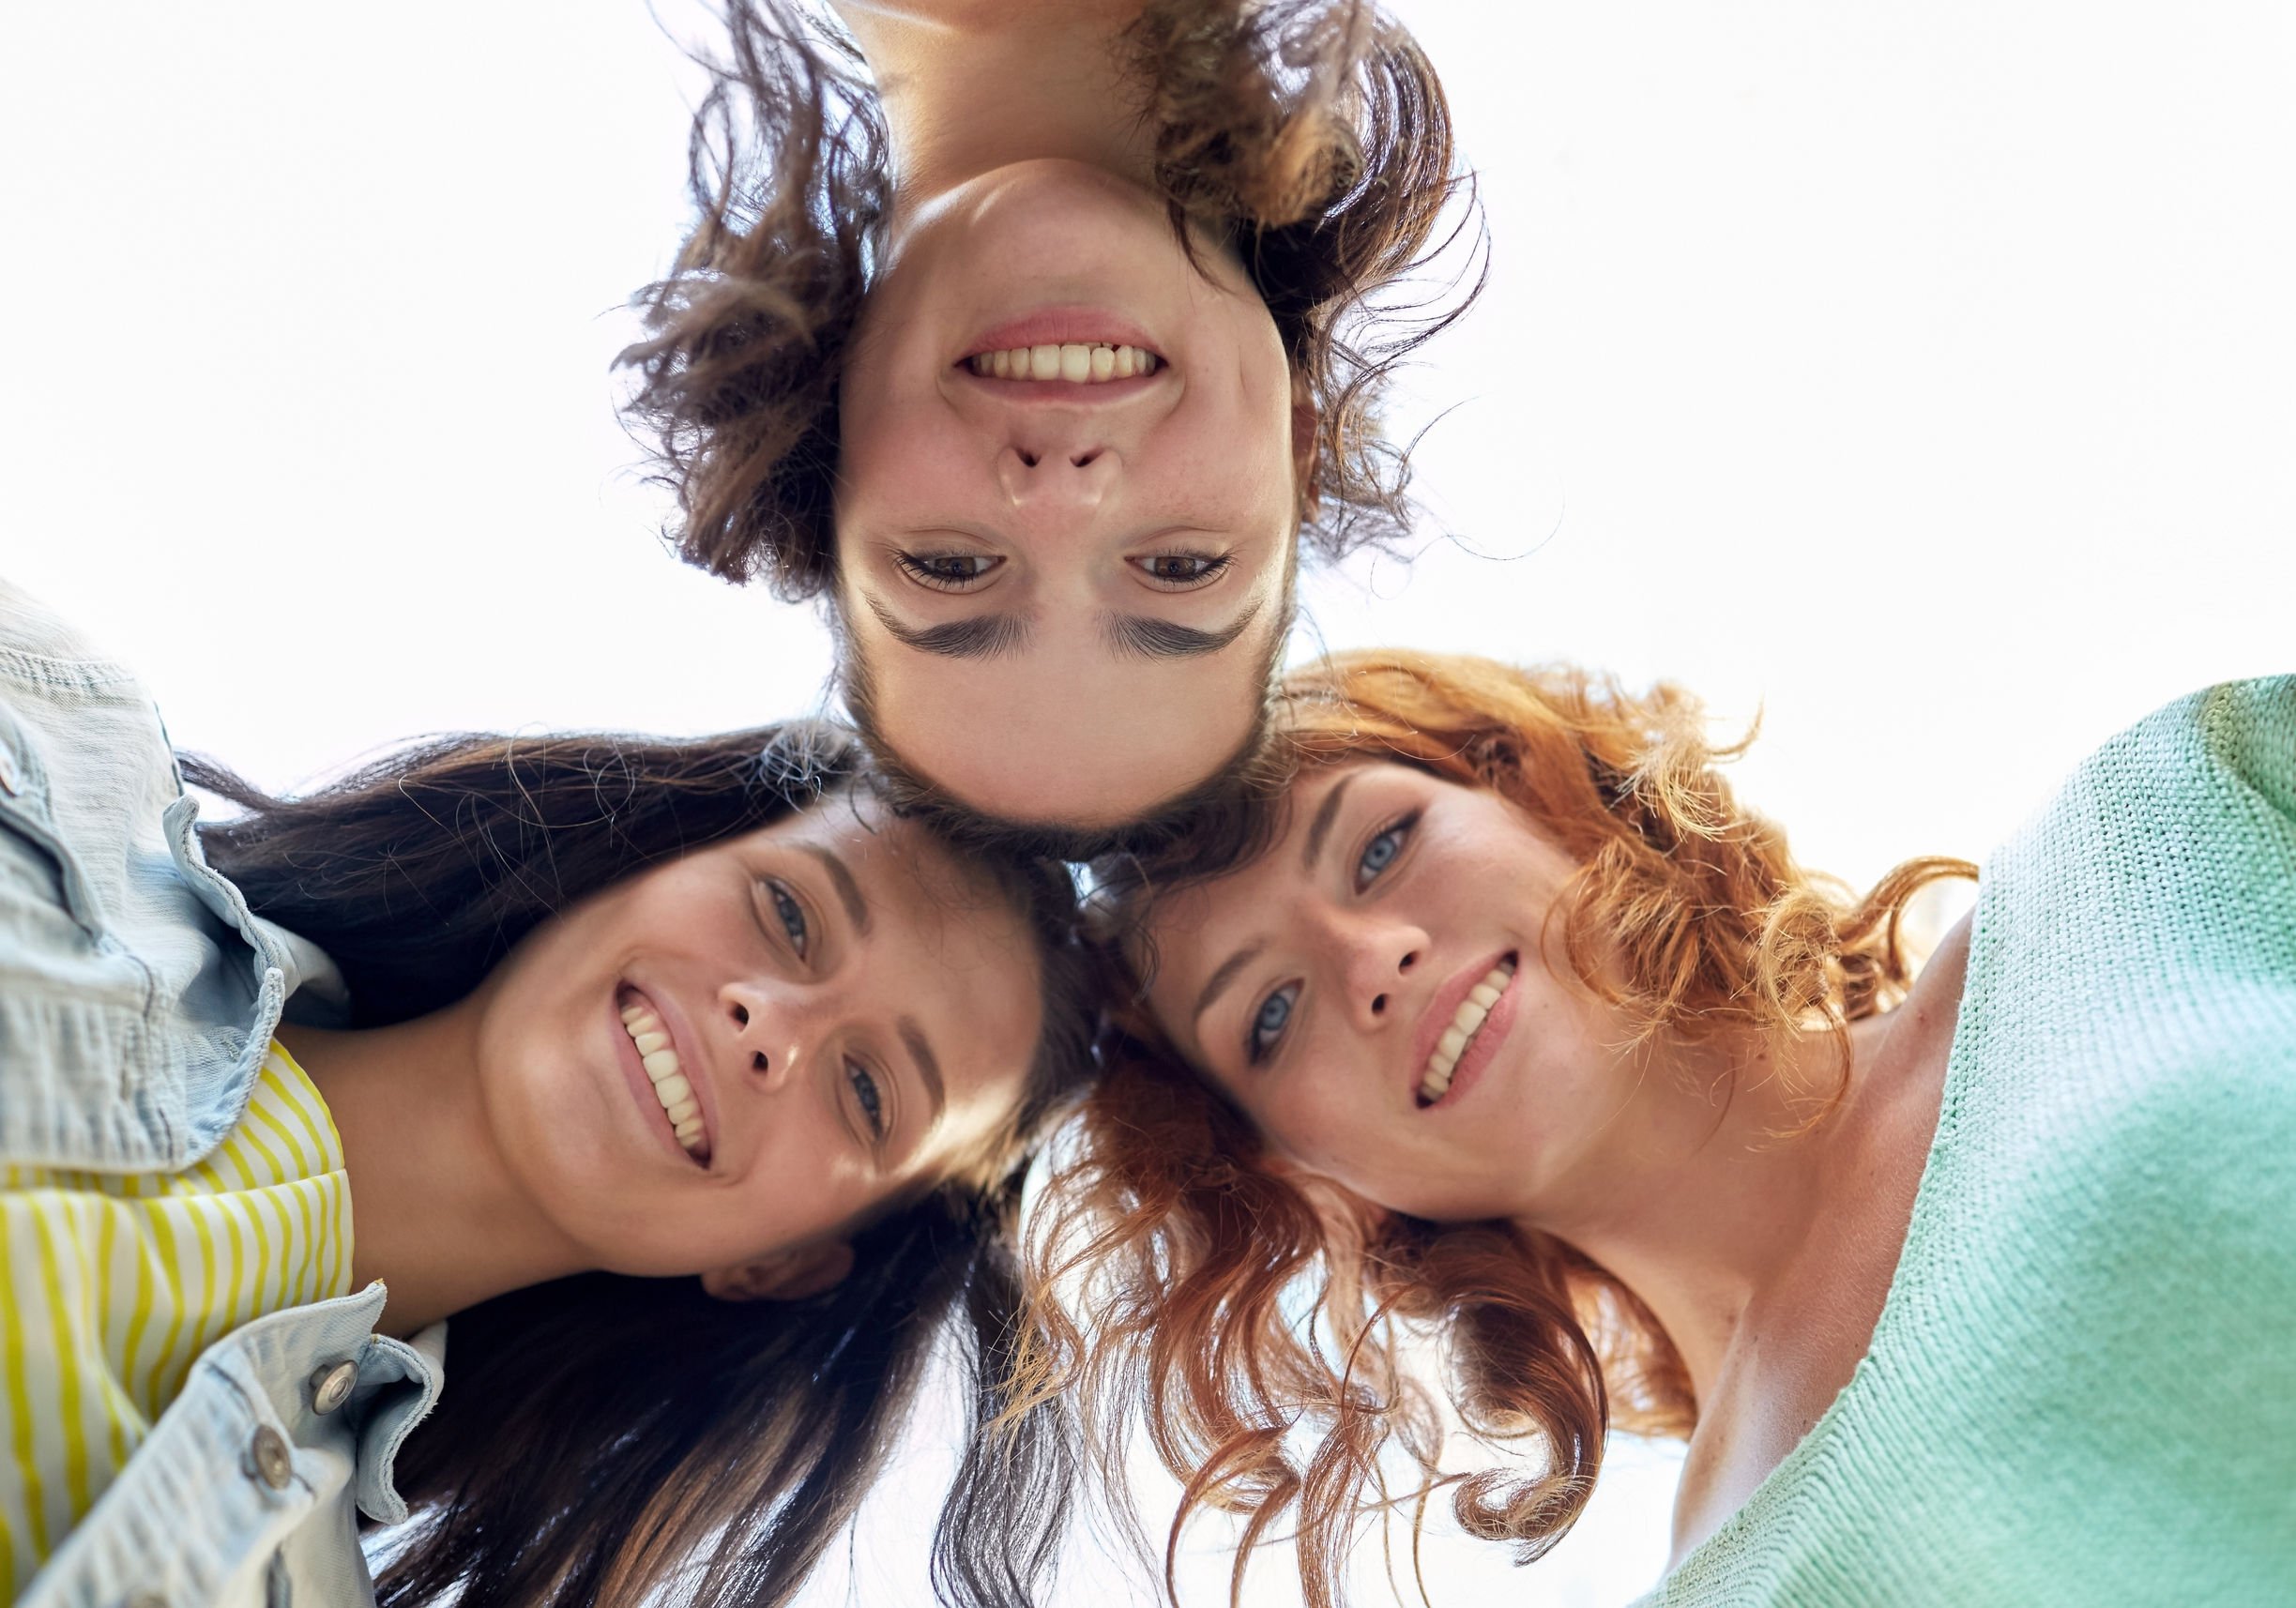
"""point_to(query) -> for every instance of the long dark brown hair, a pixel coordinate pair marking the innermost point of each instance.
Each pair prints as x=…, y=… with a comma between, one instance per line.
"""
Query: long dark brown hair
x=1172, y=1258
x=599, y=1435
x=1312, y=136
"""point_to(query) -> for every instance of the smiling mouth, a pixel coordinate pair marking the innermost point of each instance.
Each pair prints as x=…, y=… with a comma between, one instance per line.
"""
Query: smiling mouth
x=1086, y=363
x=1435, y=1081
x=672, y=1087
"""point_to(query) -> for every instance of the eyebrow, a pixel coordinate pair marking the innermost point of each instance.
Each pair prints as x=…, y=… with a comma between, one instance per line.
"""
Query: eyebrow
x=928, y=1068
x=1218, y=982
x=995, y=636
x=1145, y=638
x=984, y=636
x=848, y=891
x=1320, y=828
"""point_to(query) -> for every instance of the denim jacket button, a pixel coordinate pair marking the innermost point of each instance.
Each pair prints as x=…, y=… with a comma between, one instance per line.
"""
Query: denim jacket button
x=331, y=1386
x=268, y=1460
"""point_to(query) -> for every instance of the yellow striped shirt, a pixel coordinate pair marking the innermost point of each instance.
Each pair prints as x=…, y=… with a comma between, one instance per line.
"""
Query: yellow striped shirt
x=111, y=1284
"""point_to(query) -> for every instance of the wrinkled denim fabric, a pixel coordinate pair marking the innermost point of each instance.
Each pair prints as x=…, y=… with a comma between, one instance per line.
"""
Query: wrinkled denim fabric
x=137, y=996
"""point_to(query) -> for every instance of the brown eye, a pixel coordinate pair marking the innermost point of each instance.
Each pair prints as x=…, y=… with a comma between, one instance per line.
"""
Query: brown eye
x=868, y=1097
x=1182, y=571
x=792, y=916
x=948, y=572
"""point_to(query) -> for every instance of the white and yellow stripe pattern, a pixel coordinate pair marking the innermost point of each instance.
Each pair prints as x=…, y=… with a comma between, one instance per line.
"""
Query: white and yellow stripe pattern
x=111, y=1284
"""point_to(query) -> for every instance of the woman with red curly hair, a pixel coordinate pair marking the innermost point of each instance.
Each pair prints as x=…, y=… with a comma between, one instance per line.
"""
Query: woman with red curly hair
x=1506, y=1025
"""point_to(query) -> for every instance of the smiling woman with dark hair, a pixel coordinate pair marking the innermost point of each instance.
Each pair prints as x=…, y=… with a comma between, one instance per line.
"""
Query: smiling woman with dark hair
x=686, y=1077
x=1038, y=338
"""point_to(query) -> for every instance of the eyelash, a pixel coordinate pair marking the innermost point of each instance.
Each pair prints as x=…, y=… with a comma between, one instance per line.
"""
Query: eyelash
x=871, y=1102
x=919, y=567
x=1261, y=1039
x=792, y=918
x=1213, y=564
x=1400, y=830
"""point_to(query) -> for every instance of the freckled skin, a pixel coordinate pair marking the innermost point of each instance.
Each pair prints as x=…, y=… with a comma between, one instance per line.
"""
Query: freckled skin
x=1472, y=880
x=1767, y=1261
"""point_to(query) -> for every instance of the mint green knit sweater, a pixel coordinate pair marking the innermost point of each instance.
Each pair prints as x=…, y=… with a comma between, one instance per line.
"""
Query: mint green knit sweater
x=2082, y=1389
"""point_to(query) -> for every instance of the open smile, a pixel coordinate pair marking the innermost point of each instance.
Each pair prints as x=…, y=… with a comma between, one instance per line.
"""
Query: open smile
x=1463, y=1028
x=664, y=1081
x=1064, y=354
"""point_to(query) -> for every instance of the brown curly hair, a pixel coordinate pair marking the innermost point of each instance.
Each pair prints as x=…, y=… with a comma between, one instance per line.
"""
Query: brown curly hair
x=1310, y=135
x=1165, y=1249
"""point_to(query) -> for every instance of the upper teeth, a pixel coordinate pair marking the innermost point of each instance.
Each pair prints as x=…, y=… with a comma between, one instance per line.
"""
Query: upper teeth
x=670, y=1084
x=1435, y=1083
x=1087, y=363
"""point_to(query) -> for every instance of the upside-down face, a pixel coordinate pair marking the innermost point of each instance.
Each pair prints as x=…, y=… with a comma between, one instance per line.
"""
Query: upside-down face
x=1068, y=500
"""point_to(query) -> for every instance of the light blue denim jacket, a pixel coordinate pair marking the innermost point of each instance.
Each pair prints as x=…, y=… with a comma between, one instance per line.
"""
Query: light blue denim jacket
x=137, y=996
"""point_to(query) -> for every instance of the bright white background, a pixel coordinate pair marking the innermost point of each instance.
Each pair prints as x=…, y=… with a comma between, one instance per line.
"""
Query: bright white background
x=1920, y=375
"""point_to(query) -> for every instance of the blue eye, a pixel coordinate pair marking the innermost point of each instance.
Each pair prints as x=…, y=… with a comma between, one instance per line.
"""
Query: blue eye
x=865, y=1091
x=1381, y=851
x=793, y=917
x=1268, y=1023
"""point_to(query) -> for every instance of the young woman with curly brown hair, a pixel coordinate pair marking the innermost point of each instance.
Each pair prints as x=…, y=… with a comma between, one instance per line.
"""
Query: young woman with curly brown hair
x=1505, y=1027
x=1036, y=339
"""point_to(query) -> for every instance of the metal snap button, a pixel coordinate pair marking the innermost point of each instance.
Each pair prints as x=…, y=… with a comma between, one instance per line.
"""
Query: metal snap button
x=331, y=1385
x=268, y=1459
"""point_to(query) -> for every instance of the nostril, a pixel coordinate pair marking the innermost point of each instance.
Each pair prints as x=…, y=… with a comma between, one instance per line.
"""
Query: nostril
x=1409, y=961
x=1378, y=1005
x=759, y=1062
x=741, y=1015
x=1083, y=460
x=1029, y=460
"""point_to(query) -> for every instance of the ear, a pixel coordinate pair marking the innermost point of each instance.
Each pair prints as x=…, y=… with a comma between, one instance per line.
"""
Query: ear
x=1304, y=447
x=784, y=1276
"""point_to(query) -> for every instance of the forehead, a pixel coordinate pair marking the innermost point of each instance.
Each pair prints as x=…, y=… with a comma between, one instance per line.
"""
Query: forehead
x=1192, y=929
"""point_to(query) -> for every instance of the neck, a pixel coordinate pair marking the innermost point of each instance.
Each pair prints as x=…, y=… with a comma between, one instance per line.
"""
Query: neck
x=970, y=87
x=424, y=1172
x=1714, y=1206
x=1705, y=1210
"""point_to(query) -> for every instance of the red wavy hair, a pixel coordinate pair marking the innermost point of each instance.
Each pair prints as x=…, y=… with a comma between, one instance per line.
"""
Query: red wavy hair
x=1170, y=1255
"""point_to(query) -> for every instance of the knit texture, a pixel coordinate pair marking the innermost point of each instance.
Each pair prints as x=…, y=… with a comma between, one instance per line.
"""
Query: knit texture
x=2082, y=1387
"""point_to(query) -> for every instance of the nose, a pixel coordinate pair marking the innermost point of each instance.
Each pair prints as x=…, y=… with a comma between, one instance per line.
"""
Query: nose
x=768, y=1041
x=1373, y=954
x=1045, y=465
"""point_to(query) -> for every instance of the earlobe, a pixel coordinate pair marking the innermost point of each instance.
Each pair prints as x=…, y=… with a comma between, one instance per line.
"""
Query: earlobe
x=784, y=1276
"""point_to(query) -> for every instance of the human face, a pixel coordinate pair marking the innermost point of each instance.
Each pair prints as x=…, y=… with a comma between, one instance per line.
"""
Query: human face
x=853, y=1011
x=1316, y=985
x=1066, y=594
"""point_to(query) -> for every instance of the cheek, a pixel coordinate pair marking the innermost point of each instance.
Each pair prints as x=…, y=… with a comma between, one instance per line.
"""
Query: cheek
x=1316, y=1129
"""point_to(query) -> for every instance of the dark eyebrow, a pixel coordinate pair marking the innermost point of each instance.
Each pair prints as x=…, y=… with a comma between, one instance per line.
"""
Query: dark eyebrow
x=928, y=1068
x=1145, y=638
x=1320, y=828
x=848, y=891
x=984, y=636
x=1217, y=983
